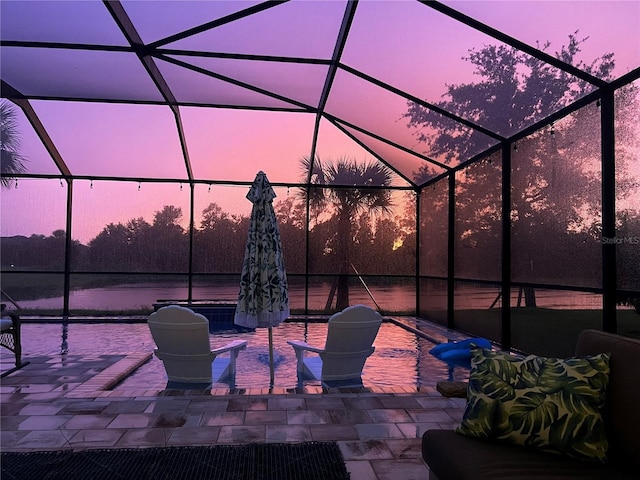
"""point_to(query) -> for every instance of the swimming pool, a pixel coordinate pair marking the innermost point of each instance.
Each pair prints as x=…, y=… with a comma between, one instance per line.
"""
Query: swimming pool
x=401, y=357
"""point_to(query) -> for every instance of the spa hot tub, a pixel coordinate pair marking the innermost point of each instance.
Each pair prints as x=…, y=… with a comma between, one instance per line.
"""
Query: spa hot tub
x=220, y=313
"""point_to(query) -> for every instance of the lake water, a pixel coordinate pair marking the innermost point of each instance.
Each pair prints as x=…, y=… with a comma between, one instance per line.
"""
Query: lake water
x=142, y=296
x=401, y=358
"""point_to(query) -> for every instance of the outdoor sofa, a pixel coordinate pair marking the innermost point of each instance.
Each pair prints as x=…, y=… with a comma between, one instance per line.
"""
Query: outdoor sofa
x=451, y=455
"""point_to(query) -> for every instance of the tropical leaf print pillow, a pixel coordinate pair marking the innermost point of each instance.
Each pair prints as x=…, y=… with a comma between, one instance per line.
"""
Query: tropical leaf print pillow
x=546, y=403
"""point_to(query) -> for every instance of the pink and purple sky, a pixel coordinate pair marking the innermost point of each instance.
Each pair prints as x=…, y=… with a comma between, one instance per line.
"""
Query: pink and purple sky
x=405, y=44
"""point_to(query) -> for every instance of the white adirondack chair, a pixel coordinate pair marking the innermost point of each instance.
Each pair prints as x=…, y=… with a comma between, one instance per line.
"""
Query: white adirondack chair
x=182, y=338
x=349, y=343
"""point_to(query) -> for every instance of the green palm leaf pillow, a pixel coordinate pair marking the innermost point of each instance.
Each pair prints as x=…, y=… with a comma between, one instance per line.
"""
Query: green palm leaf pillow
x=547, y=403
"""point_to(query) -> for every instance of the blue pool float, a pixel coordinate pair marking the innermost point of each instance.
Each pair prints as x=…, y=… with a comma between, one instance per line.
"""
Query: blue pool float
x=458, y=350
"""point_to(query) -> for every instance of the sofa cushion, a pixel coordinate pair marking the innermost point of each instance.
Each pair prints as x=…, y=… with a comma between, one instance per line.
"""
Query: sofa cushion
x=547, y=403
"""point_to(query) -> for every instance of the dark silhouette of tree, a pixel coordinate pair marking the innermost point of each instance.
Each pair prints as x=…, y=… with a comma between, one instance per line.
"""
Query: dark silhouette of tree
x=516, y=90
x=140, y=246
x=168, y=218
x=434, y=229
x=290, y=214
x=220, y=241
x=137, y=243
x=11, y=160
x=381, y=255
x=478, y=221
x=37, y=252
x=377, y=243
x=555, y=172
x=120, y=247
x=169, y=243
x=213, y=216
x=347, y=203
x=214, y=222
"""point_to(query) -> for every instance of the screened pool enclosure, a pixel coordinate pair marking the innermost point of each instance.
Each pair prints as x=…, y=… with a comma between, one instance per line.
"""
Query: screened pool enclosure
x=473, y=163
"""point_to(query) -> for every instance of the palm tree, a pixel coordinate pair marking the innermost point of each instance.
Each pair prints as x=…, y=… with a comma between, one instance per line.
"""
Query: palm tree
x=11, y=161
x=367, y=191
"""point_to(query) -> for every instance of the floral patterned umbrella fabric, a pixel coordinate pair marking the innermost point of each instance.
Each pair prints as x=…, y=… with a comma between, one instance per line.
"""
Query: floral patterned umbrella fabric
x=263, y=301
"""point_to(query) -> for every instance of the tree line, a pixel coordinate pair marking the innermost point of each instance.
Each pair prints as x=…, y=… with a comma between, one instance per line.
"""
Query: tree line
x=162, y=244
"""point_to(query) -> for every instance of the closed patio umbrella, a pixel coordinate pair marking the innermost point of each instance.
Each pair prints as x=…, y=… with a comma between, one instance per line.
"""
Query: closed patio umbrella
x=263, y=301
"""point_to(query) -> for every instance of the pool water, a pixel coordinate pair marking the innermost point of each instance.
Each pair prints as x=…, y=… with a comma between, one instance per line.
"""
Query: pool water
x=401, y=358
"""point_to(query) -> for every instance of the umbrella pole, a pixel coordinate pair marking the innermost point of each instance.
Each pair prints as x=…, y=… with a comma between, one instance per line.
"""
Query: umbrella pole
x=271, y=356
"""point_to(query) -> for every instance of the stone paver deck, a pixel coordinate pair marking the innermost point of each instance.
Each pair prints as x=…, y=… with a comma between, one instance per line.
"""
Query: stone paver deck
x=67, y=401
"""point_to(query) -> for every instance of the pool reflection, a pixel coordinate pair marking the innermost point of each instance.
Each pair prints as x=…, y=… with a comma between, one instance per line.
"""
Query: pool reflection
x=401, y=358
